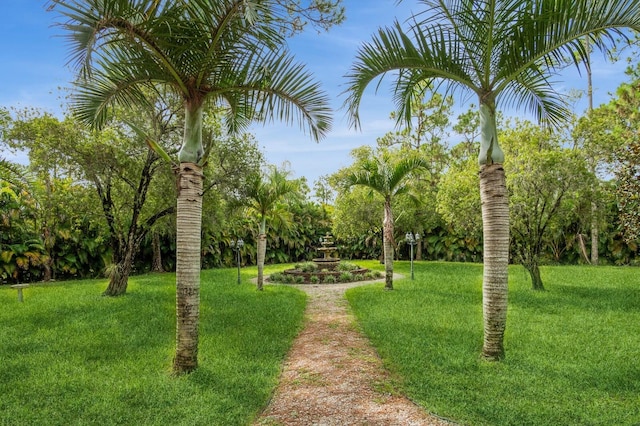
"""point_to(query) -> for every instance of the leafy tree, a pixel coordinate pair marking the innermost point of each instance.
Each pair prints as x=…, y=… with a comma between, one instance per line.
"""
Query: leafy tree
x=544, y=185
x=387, y=176
x=503, y=52
x=119, y=165
x=627, y=107
x=205, y=52
x=265, y=193
x=458, y=200
x=322, y=191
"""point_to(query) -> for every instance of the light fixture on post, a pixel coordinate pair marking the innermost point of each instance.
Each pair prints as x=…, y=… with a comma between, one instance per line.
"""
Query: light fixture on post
x=412, y=240
x=236, y=245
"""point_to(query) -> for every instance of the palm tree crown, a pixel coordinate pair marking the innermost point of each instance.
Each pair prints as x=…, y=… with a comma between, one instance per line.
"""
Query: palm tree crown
x=501, y=50
x=219, y=51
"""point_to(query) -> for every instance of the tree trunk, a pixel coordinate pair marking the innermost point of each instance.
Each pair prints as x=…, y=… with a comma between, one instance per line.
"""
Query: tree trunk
x=594, y=206
x=156, y=265
x=495, y=222
x=189, y=226
x=534, y=272
x=262, y=251
x=119, y=277
x=387, y=244
x=594, y=234
x=419, y=249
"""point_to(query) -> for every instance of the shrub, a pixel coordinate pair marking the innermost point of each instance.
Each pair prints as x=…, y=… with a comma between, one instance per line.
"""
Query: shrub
x=299, y=279
x=314, y=279
x=277, y=277
x=346, y=266
x=307, y=267
x=345, y=277
x=330, y=279
x=372, y=275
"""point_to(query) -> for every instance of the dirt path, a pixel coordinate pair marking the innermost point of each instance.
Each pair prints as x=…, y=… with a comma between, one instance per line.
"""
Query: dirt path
x=332, y=375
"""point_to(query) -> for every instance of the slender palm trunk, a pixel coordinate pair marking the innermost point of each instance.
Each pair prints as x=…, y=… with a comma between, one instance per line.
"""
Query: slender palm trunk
x=594, y=206
x=188, y=236
x=387, y=243
x=594, y=234
x=262, y=252
x=189, y=218
x=495, y=222
x=495, y=227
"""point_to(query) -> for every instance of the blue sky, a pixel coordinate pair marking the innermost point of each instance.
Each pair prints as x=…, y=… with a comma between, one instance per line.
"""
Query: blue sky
x=33, y=67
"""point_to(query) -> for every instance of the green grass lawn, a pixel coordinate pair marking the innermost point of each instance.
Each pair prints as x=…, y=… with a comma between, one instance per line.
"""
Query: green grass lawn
x=71, y=357
x=573, y=351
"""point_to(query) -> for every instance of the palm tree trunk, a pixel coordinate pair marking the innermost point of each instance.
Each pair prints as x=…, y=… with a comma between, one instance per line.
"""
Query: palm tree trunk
x=387, y=243
x=495, y=223
x=262, y=251
x=594, y=234
x=189, y=224
x=188, y=242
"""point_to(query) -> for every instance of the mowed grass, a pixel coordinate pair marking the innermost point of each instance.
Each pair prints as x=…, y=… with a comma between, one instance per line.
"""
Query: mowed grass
x=69, y=356
x=573, y=351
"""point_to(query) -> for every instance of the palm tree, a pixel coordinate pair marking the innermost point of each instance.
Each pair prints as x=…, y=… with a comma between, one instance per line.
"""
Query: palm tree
x=503, y=51
x=208, y=53
x=264, y=195
x=382, y=175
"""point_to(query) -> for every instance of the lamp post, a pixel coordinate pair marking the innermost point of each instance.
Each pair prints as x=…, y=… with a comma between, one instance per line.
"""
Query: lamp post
x=412, y=240
x=236, y=245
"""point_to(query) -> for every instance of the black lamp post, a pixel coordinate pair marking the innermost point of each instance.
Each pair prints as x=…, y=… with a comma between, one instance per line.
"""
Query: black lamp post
x=236, y=245
x=412, y=240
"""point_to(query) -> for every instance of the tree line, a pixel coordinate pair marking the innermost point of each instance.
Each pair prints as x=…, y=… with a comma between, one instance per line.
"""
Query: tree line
x=93, y=203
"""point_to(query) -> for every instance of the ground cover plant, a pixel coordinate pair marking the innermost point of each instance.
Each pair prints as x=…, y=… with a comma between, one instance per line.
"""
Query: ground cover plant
x=572, y=351
x=70, y=356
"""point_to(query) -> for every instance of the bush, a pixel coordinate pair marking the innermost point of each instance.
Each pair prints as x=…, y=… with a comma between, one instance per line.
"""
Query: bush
x=329, y=279
x=277, y=277
x=314, y=279
x=298, y=279
x=306, y=267
x=372, y=275
x=347, y=266
x=345, y=277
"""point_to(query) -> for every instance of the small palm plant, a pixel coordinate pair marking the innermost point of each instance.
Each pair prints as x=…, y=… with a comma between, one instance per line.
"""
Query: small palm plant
x=388, y=177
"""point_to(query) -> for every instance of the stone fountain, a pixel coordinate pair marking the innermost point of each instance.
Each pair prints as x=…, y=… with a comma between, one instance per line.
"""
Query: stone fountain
x=329, y=260
x=326, y=269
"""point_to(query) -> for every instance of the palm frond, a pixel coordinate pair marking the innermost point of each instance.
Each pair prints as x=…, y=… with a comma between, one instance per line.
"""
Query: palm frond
x=489, y=47
x=274, y=86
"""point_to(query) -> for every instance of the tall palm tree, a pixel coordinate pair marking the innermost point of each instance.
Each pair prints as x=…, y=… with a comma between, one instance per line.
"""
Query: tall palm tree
x=208, y=52
x=387, y=177
x=264, y=194
x=503, y=51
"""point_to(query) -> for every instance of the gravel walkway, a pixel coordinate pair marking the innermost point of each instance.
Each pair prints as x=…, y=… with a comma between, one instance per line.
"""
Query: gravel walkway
x=332, y=375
